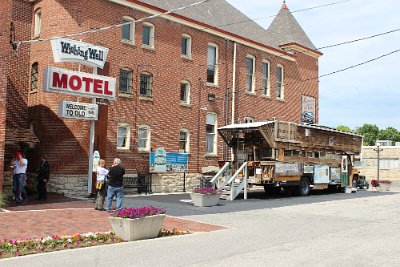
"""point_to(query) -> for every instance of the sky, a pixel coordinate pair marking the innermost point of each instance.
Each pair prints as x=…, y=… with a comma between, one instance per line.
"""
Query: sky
x=366, y=94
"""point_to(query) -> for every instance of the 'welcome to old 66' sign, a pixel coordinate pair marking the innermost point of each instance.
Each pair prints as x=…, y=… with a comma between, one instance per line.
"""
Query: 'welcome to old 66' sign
x=78, y=83
x=75, y=110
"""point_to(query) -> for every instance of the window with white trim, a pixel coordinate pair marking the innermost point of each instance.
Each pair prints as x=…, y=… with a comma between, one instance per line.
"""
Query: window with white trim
x=128, y=30
x=212, y=64
x=279, y=82
x=123, y=136
x=34, y=76
x=265, y=83
x=146, y=85
x=38, y=23
x=183, y=141
x=186, y=46
x=125, y=81
x=248, y=120
x=211, y=133
x=250, y=63
x=148, y=35
x=144, y=138
x=185, y=92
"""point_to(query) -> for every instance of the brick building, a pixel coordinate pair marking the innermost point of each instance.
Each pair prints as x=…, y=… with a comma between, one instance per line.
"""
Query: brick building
x=180, y=76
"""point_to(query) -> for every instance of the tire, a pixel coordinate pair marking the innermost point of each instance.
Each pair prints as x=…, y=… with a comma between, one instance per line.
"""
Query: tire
x=304, y=188
x=354, y=183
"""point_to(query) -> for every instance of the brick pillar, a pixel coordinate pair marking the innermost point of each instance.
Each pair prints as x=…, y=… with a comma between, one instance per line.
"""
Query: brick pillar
x=5, y=19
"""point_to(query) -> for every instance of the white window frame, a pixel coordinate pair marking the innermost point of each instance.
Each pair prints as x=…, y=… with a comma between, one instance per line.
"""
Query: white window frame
x=188, y=39
x=131, y=39
x=280, y=83
x=253, y=78
x=249, y=120
x=147, y=147
x=151, y=35
x=38, y=23
x=267, y=80
x=214, y=152
x=188, y=87
x=151, y=85
x=131, y=81
x=187, y=141
x=215, y=83
x=128, y=136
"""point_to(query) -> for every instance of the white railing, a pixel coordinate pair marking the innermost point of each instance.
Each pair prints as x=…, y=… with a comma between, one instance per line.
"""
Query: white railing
x=215, y=180
x=235, y=190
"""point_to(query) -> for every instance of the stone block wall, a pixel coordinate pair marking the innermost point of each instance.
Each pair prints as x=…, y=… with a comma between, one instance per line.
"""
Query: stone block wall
x=173, y=182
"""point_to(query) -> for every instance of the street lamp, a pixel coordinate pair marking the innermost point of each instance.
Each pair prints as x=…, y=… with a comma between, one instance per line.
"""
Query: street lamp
x=378, y=150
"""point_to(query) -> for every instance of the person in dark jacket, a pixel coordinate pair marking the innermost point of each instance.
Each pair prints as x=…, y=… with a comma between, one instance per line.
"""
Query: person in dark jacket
x=115, y=184
x=43, y=177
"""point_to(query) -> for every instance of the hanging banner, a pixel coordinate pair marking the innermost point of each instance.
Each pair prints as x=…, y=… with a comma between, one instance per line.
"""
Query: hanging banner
x=80, y=111
x=69, y=82
x=67, y=50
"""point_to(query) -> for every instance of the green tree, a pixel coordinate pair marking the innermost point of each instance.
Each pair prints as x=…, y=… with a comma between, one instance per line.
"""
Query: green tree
x=389, y=133
x=369, y=132
x=344, y=128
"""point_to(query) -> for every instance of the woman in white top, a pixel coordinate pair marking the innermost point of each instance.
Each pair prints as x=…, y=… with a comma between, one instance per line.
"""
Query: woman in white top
x=101, y=184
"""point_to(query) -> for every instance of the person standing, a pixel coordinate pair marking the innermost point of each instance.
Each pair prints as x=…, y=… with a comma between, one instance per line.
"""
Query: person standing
x=115, y=184
x=43, y=177
x=21, y=164
x=101, y=184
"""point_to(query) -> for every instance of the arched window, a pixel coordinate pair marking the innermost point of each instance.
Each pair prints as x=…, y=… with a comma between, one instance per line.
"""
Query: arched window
x=186, y=46
x=250, y=66
x=279, y=82
x=148, y=35
x=265, y=83
x=185, y=92
x=128, y=30
x=212, y=64
x=146, y=84
x=38, y=23
x=123, y=136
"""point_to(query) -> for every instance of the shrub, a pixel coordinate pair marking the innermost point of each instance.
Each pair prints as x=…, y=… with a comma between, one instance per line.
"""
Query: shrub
x=135, y=213
x=206, y=191
x=3, y=200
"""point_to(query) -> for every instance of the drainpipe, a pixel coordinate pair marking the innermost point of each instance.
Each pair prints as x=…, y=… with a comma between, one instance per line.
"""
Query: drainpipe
x=233, y=83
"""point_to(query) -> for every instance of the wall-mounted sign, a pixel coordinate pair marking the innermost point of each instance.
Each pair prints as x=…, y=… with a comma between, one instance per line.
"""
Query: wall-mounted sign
x=75, y=110
x=308, y=109
x=66, y=50
x=174, y=162
x=69, y=82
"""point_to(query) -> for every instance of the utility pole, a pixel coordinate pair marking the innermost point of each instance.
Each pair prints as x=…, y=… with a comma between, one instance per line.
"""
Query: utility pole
x=378, y=150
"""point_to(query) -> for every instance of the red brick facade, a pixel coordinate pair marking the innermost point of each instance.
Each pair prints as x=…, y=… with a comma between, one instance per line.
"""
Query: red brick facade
x=66, y=142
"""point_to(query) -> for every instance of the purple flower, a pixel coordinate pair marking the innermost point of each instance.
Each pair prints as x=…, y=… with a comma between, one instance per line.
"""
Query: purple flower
x=206, y=191
x=134, y=213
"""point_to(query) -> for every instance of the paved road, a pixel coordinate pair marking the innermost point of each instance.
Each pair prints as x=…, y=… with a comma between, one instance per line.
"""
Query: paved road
x=320, y=230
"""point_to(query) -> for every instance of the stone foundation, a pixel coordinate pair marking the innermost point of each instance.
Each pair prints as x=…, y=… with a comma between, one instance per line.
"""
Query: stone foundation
x=173, y=182
x=69, y=185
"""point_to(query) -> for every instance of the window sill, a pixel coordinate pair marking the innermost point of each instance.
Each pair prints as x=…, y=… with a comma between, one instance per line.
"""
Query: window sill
x=33, y=91
x=123, y=150
x=185, y=57
x=186, y=105
x=37, y=36
x=125, y=95
x=146, y=98
x=280, y=99
x=212, y=85
x=251, y=93
x=211, y=155
x=143, y=151
x=149, y=48
x=266, y=96
x=127, y=42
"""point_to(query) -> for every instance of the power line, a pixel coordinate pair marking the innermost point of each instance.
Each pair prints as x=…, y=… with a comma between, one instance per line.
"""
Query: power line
x=110, y=26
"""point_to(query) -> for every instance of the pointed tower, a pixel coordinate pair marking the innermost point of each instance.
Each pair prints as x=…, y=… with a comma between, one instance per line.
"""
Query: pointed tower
x=285, y=32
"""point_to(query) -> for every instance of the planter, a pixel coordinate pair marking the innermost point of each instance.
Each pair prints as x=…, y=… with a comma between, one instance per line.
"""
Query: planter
x=205, y=200
x=136, y=229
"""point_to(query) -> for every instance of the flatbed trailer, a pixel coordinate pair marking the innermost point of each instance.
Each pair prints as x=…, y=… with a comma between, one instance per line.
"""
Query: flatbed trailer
x=299, y=157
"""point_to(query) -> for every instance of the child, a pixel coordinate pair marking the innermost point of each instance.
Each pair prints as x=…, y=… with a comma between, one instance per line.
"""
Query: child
x=101, y=185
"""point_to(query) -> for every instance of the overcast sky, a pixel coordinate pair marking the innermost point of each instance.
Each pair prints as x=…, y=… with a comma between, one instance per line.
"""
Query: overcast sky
x=367, y=94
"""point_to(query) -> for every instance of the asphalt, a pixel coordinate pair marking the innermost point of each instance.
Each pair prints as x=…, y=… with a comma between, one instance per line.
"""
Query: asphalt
x=323, y=229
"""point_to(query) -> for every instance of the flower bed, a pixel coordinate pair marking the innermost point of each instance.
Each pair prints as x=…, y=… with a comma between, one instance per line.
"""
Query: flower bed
x=207, y=191
x=15, y=248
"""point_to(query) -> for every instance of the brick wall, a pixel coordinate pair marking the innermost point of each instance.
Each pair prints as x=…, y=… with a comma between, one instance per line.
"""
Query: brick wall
x=66, y=142
x=370, y=160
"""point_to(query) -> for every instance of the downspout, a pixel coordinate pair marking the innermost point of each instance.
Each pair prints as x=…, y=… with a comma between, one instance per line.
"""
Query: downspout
x=233, y=83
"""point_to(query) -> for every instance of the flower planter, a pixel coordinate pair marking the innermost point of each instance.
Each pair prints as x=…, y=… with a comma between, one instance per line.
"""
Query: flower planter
x=205, y=200
x=136, y=229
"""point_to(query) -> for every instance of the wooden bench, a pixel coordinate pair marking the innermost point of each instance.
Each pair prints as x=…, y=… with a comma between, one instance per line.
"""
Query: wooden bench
x=139, y=182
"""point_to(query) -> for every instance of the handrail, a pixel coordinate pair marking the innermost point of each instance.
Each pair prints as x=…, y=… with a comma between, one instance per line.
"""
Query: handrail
x=233, y=176
x=220, y=172
x=235, y=191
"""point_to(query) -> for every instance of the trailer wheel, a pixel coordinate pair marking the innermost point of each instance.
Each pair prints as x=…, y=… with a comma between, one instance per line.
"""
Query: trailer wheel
x=304, y=188
x=355, y=183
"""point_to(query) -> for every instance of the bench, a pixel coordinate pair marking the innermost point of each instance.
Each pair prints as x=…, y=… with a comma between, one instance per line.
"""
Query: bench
x=139, y=182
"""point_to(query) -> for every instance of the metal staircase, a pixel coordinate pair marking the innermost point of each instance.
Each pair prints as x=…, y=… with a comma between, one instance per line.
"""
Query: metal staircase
x=231, y=185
